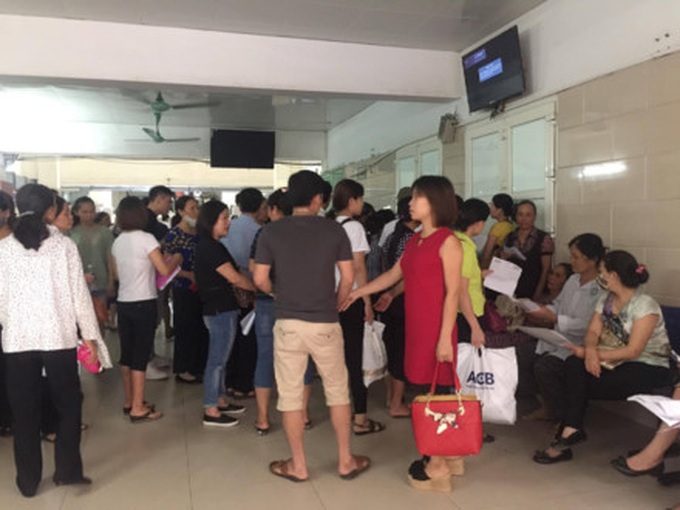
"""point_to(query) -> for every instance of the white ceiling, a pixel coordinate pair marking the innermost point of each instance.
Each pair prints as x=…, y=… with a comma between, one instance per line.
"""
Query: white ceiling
x=117, y=115
x=449, y=25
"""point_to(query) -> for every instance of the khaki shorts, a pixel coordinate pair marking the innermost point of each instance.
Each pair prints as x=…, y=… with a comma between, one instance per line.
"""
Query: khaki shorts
x=294, y=342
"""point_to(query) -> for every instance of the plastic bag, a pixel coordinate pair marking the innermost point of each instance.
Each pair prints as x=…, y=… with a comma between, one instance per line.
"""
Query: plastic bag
x=491, y=374
x=375, y=357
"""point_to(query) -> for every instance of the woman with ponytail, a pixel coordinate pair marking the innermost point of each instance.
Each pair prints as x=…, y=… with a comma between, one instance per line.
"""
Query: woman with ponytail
x=626, y=351
x=43, y=301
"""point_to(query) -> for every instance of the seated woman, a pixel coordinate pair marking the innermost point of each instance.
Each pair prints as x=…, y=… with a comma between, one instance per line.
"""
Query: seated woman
x=626, y=351
x=531, y=249
x=557, y=277
x=649, y=460
x=569, y=315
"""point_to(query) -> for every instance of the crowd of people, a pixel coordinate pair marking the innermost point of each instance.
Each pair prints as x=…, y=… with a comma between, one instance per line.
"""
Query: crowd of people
x=313, y=278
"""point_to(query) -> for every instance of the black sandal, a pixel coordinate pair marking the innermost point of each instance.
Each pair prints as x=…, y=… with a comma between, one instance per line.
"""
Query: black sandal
x=368, y=427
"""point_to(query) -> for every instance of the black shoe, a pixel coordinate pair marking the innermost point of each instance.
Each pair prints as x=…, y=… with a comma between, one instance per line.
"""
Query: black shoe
x=488, y=438
x=566, y=442
x=83, y=480
x=621, y=465
x=5, y=431
x=668, y=479
x=232, y=409
x=219, y=421
x=541, y=457
x=182, y=380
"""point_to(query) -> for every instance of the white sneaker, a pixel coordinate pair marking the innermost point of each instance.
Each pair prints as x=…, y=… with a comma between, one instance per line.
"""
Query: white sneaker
x=154, y=373
x=160, y=361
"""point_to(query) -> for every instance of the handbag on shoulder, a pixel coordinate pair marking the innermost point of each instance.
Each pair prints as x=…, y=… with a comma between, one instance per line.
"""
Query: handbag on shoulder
x=447, y=425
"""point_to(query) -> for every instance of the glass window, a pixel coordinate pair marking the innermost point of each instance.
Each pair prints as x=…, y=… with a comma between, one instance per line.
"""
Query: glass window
x=486, y=165
x=529, y=156
x=429, y=163
x=406, y=171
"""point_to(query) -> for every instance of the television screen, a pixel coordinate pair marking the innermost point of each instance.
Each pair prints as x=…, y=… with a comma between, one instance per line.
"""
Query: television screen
x=493, y=71
x=242, y=149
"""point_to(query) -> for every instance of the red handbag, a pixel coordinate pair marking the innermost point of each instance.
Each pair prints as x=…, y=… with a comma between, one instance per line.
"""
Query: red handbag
x=447, y=425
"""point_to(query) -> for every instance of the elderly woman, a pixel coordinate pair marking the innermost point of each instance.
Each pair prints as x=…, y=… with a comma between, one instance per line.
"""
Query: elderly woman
x=43, y=300
x=531, y=249
x=626, y=351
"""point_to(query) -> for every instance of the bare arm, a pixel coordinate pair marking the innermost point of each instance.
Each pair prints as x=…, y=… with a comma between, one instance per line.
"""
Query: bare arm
x=637, y=340
x=386, y=298
x=546, y=263
x=468, y=312
x=382, y=282
x=361, y=279
x=451, y=254
x=163, y=267
x=485, y=261
x=236, y=278
x=261, y=276
x=346, y=268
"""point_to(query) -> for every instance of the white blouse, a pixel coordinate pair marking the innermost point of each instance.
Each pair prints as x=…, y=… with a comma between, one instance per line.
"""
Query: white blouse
x=44, y=298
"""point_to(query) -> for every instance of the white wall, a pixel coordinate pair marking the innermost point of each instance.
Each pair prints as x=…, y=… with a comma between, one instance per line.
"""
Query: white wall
x=564, y=43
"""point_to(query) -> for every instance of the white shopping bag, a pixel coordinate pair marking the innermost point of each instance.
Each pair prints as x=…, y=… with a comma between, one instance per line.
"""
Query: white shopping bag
x=491, y=374
x=375, y=357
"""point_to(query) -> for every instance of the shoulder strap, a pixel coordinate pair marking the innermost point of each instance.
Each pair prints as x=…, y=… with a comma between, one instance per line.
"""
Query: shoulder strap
x=346, y=220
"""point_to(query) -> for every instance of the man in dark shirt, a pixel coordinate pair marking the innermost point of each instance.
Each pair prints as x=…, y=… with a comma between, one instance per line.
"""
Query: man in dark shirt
x=304, y=250
x=160, y=202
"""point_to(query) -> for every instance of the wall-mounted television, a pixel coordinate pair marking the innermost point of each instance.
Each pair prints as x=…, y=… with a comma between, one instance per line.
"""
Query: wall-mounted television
x=493, y=71
x=242, y=149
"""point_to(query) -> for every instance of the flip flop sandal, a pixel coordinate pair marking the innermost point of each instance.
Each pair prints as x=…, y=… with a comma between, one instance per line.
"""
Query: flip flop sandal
x=149, y=405
x=280, y=468
x=363, y=463
x=368, y=427
x=146, y=417
x=262, y=431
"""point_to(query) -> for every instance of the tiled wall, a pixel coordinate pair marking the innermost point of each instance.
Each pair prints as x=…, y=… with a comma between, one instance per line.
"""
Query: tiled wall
x=453, y=161
x=629, y=119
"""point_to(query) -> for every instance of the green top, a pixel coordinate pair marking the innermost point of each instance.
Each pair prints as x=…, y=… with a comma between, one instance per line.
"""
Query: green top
x=94, y=245
x=472, y=272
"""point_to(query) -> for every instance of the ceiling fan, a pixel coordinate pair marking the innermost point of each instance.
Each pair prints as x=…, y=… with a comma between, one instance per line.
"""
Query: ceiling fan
x=159, y=105
x=156, y=137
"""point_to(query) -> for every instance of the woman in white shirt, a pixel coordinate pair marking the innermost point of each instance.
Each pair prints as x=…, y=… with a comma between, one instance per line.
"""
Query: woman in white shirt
x=43, y=299
x=137, y=257
x=348, y=202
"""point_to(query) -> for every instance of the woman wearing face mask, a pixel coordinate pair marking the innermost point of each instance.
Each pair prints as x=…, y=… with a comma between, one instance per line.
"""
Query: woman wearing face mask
x=191, y=336
x=625, y=352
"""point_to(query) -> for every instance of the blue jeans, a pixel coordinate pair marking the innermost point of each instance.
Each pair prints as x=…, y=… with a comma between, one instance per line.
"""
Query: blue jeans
x=264, y=333
x=222, y=330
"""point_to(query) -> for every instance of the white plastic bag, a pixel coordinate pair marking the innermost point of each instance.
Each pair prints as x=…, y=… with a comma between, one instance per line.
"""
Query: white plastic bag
x=491, y=374
x=375, y=357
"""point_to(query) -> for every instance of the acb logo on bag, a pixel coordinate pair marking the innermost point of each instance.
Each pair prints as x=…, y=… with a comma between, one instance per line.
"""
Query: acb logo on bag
x=480, y=378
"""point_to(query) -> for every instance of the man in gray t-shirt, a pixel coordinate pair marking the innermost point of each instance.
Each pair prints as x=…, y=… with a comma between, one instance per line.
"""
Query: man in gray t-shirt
x=304, y=250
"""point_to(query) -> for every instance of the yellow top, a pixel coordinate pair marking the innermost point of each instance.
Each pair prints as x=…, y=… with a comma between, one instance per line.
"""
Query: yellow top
x=500, y=231
x=472, y=272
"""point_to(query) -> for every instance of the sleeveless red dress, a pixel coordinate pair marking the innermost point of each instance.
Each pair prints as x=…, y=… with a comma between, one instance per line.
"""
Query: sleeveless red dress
x=424, y=292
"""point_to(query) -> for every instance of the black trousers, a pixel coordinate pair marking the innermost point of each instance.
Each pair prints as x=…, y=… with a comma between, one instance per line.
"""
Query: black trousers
x=5, y=410
x=24, y=382
x=618, y=384
x=191, y=335
x=526, y=358
x=394, y=337
x=352, y=324
x=549, y=372
x=241, y=365
x=136, y=330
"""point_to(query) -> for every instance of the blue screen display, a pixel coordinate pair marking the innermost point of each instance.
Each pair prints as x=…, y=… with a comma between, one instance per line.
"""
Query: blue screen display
x=493, y=68
x=475, y=58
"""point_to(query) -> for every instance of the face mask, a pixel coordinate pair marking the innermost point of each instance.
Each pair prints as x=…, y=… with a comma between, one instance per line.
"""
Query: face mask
x=189, y=221
x=602, y=282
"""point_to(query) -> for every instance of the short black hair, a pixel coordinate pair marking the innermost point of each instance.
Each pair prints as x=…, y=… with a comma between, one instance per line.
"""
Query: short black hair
x=590, y=245
x=281, y=201
x=327, y=192
x=472, y=211
x=404, y=209
x=504, y=202
x=207, y=217
x=161, y=190
x=303, y=186
x=249, y=200
x=131, y=214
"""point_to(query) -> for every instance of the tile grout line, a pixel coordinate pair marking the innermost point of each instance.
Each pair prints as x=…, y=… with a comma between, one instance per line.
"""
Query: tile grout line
x=186, y=448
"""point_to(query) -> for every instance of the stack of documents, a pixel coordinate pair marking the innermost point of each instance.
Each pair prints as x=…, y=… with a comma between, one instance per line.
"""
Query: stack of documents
x=664, y=408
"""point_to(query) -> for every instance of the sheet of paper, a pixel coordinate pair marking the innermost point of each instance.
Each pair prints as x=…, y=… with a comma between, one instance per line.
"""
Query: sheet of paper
x=504, y=276
x=547, y=335
x=514, y=252
x=247, y=322
x=666, y=409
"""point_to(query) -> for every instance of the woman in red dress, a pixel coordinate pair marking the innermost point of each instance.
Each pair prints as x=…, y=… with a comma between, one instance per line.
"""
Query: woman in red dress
x=431, y=269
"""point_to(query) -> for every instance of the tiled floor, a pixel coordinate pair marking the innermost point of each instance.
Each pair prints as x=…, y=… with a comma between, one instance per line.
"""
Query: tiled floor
x=176, y=464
